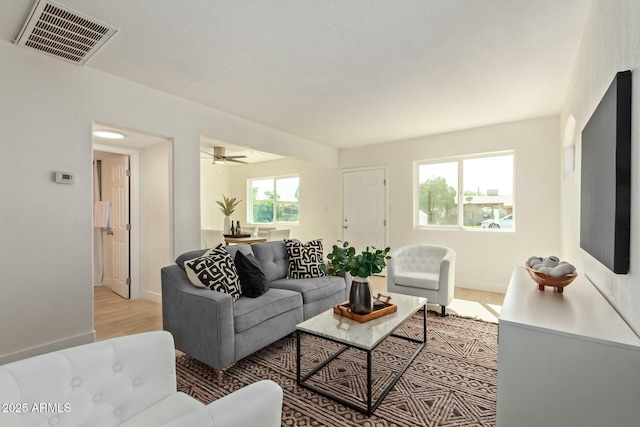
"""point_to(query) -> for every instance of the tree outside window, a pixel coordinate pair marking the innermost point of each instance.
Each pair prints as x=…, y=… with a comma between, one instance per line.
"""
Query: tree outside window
x=437, y=194
x=274, y=200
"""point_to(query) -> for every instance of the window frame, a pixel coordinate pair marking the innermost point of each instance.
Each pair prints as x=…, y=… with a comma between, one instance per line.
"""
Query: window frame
x=274, y=179
x=460, y=192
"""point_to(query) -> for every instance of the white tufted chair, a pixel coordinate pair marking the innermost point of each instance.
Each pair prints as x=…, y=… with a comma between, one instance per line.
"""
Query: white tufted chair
x=423, y=270
x=125, y=381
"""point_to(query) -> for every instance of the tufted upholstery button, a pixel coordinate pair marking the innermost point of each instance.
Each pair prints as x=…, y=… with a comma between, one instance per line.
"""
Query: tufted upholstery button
x=137, y=382
x=53, y=421
x=117, y=412
x=76, y=382
x=97, y=397
x=117, y=367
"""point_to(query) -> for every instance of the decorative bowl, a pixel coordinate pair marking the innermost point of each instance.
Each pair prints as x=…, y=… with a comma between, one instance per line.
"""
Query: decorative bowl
x=543, y=280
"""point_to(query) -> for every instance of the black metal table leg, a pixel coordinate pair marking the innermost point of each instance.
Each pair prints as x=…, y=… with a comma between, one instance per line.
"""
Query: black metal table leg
x=298, y=333
x=424, y=325
x=369, y=397
x=370, y=405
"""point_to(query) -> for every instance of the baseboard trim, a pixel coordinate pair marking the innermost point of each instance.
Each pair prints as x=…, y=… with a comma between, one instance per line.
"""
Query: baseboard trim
x=152, y=296
x=87, y=338
x=482, y=286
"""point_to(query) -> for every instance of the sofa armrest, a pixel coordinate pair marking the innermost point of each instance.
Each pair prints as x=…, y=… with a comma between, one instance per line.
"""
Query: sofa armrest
x=200, y=320
x=256, y=405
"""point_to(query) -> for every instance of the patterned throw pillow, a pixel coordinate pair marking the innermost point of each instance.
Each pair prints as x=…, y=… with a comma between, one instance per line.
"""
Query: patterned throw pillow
x=304, y=259
x=215, y=270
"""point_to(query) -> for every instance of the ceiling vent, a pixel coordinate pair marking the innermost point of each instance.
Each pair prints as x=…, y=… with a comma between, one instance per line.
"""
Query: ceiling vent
x=62, y=32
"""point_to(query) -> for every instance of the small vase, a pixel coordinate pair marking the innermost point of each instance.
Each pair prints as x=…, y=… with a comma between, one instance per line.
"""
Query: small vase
x=360, y=296
x=227, y=225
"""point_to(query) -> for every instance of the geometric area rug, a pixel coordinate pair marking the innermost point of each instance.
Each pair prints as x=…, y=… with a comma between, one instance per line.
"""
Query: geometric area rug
x=452, y=382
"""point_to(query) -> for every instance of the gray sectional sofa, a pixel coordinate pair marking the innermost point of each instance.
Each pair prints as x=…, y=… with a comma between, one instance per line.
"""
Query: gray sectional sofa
x=208, y=326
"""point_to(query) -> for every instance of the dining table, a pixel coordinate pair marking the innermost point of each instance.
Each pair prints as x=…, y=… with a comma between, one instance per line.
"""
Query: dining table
x=229, y=240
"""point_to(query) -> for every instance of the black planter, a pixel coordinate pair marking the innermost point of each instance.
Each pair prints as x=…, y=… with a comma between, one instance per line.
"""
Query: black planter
x=360, y=296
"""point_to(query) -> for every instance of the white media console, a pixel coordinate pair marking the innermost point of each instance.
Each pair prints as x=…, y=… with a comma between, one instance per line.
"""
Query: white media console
x=565, y=359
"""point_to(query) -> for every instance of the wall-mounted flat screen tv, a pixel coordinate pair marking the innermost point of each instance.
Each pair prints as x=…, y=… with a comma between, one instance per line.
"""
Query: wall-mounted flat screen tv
x=605, y=197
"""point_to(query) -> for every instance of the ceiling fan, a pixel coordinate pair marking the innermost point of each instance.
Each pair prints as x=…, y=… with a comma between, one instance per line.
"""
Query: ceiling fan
x=219, y=156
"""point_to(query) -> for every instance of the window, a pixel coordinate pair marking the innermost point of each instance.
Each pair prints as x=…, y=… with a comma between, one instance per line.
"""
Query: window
x=471, y=192
x=273, y=200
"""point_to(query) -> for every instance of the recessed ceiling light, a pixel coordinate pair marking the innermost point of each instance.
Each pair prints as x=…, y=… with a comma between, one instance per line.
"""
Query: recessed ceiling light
x=108, y=134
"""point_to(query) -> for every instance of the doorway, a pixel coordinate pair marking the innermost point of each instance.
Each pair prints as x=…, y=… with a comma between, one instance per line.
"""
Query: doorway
x=364, y=207
x=150, y=223
x=112, y=222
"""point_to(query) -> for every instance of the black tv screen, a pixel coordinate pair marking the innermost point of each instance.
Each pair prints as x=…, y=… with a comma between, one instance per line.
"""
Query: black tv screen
x=605, y=197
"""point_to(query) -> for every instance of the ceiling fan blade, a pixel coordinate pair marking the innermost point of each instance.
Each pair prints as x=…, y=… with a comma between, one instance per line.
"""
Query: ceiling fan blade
x=231, y=159
x=208, y=154
x=235, y=157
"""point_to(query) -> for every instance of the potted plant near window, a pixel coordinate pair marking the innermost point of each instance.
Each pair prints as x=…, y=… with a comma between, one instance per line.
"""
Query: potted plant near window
x=227, y=207
x=361, y=266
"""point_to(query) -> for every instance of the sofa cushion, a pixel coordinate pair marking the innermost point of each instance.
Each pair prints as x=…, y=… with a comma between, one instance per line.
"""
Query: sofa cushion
x=171, y=408
x=248, y=312
x=418, y=280
x=305, y=259
x=273, y=259
x=252, y=278
x=215, y=270
x=312, y=289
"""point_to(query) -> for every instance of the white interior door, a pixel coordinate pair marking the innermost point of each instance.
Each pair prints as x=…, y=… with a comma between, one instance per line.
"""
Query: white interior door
x=364, y=208
x=117, y=173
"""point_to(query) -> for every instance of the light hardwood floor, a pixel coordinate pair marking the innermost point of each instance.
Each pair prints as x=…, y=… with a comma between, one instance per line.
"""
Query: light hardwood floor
x=115, y=316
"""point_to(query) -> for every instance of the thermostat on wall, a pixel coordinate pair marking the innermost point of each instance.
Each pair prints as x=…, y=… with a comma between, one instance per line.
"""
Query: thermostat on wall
x=65, y=177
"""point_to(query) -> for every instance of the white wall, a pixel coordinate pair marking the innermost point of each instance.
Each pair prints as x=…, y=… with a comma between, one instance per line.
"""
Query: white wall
x=319, y=199
x=46, y=112
x=155, y=207
x=485, y=259
x=215, y=180
x=611, y=43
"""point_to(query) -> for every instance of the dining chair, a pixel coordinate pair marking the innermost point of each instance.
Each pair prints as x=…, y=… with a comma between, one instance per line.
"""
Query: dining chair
x=273, y=235
x=212, y=238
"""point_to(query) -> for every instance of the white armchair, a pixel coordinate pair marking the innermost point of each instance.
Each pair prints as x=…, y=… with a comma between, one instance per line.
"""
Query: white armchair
x=126, y=381
x=423, y=270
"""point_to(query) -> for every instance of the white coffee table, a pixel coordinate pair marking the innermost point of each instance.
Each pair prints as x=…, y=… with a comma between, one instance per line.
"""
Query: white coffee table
x=363, y=336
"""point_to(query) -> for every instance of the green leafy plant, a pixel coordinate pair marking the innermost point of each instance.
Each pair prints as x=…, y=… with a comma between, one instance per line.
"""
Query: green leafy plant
x=344, y=259
x=228, y=205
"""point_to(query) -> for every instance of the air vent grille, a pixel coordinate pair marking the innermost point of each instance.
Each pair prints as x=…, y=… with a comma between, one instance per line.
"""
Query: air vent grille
x=61, y=32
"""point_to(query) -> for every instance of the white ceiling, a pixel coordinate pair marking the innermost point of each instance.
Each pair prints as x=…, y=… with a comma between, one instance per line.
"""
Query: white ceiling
x=344, y=73
x=134, y=140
